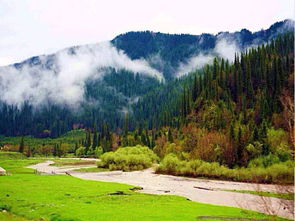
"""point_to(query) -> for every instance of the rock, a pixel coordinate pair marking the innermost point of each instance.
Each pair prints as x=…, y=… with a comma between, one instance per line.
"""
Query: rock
x=2, y=172
x=136, y=188
x=203, y=188
x=118, y=193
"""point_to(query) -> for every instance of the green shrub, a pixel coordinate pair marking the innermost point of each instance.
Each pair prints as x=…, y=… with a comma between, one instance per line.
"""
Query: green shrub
x=264, y=161
x=255, y=149
x=277, y=172
x=277, y=138
x=283, y=155
x=80, y=152
x=171, y=164
x=98, y=151
x=128, y=159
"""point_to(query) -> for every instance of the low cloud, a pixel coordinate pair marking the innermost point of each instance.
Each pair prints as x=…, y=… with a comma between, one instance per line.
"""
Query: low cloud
x=225, y=48
x=64, y=82
x=193, y=64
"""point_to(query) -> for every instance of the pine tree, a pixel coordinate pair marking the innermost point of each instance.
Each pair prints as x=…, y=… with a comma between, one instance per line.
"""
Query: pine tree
x=232, y=132
x=240, y=147
x=255, y=134
x=195, y=88
x=143, y=139
x=76, y=147
x=59, y=153
x=184, y=104
x=126, y=125
x=215, y=68
x=21, y=145
x=88, y=139
x=153, y=143
x=148, y=143
x=106, y=139
x=95, y=138
x=170, y=136
x=29, y=152
x=55, y=150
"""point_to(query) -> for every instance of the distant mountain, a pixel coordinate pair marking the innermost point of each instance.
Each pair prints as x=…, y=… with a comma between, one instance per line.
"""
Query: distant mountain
x=165, y=52
x=102, y=82
x=173, y=49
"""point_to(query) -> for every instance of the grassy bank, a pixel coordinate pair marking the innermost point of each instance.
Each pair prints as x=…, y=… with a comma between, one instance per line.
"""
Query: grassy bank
x=61, y=197
x=285, y=196
x=65, y=197
x=282, y=173
x=92, y=169
x=72, y=162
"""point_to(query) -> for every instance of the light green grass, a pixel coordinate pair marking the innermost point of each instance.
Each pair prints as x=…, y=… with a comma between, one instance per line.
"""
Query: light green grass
x=18, y=166
x=11, y=155
x=48, y=196
x=72, y=162
x=71, y=137
x=286, y=196
x=92, y=169
x=62, y=197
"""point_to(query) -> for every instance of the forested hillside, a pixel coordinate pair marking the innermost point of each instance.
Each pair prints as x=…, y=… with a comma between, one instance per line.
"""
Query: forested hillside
x=48, y=95
x=229, y=121
x=234, y=113
x=165, y=51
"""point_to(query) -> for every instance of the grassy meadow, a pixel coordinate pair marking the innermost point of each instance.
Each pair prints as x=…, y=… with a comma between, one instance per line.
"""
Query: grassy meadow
x=28, y=196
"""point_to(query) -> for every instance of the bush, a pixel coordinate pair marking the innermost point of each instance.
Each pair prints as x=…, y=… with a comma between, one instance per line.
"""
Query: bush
x=80, y=152
x=277, y=172
x=170, y=164
x=254, y=150
x=98, y=151
x=277, y=138
x=128, y=159
x=264, y=161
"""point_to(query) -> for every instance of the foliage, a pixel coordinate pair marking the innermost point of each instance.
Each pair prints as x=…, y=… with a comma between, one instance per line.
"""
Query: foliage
x=80, y=152
x=277, y=139
x=98, y=151
x=264, y=161
x=276, y=173
x=286, y=196
x=128, y=158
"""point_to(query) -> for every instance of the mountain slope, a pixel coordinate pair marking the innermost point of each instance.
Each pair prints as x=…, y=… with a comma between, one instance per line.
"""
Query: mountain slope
x=102, y=82
x=165, y=51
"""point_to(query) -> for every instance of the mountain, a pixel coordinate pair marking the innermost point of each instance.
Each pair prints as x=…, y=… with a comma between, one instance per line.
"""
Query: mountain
x=173, y=49
x=165, y=52
x=100, y=83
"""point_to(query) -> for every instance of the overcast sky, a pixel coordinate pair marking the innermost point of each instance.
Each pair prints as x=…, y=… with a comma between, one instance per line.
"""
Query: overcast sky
x=33, y=27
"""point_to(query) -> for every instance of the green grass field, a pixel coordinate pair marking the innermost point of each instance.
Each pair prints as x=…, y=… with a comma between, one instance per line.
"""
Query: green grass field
x=92, y=169
x=71, y=137
x=286, y=196
x=60, y=197
x=72, y=162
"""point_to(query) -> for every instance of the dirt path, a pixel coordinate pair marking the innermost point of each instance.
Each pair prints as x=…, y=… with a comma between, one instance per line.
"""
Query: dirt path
x=46, y=167
x=200, y=190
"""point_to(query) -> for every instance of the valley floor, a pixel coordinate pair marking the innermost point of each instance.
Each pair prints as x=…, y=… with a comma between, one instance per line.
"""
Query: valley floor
x=200, y=190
